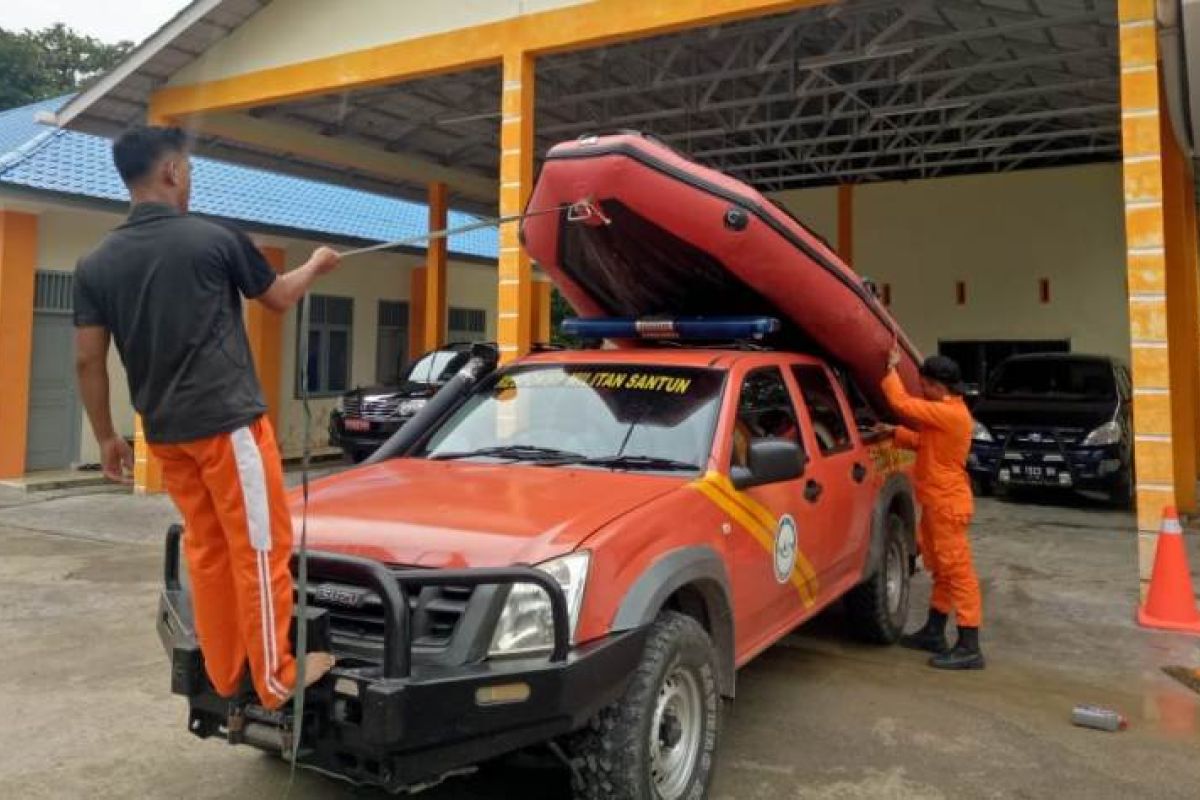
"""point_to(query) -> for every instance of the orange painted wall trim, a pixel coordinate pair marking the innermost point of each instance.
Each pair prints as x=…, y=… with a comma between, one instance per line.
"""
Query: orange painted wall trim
x=434, y=319
x=18, y=258
x=416, y=313
x=845, y=222
x=585, y=25
x=264, y=328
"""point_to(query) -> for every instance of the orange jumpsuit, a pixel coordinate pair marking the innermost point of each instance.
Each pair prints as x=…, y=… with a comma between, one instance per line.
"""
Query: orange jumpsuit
x=229, y=489
x=942, y=441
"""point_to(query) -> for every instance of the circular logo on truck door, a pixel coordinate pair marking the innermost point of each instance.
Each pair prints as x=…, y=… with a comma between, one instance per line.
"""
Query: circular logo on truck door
x=785, y=548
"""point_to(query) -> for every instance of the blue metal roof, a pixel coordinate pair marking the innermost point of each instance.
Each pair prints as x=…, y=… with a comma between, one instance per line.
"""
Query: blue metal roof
x=38, y=157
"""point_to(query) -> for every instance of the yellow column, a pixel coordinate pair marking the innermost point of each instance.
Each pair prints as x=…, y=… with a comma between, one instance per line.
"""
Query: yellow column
x=18, y=257
x=515, y=300
x=1183, y=329
x=1156, y=254
x=845, y=221
x=264, y=329
x=416, y=313
x=434, y=321
x=541, y=312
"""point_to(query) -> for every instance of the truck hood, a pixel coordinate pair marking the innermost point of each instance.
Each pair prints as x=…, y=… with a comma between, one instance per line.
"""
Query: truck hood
x=455, y=514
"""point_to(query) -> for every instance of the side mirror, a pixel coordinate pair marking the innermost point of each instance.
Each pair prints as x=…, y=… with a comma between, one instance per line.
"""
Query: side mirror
x=770, y=461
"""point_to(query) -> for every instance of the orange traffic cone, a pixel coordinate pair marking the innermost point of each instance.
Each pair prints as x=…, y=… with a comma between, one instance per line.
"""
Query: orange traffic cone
x=1170, y=603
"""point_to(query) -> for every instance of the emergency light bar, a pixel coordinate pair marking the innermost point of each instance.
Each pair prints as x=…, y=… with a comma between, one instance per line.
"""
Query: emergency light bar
x=704, y=328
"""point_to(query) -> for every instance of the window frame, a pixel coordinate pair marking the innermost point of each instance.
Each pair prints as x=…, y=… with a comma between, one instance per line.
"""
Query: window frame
x=324, y=330
x=402, y=331
x=456, y=334
x=848, y=423
x=799, y=418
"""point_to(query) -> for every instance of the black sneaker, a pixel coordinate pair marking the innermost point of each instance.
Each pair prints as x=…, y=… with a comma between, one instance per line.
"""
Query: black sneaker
x=958, y=658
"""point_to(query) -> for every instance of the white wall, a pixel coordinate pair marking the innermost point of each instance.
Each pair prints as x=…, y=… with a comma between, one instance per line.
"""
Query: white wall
x=999, y=234
x=289, y=31
x=65, y=234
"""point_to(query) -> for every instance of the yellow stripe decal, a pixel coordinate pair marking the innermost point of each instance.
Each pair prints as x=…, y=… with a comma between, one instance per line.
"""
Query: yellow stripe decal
x=760, y=523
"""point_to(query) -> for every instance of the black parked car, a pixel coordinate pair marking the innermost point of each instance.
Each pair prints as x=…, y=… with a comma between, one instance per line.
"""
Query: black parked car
x=1056, y=420
x=366, y=417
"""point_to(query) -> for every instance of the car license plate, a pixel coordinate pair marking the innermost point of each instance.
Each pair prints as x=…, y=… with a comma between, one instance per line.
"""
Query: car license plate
x=357, y=425
x=1033, y=473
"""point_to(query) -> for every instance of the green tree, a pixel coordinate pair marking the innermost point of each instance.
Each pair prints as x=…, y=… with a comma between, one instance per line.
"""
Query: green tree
x=50, y=62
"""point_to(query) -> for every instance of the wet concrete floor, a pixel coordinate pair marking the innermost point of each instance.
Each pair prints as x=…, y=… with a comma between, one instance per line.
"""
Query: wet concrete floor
x=85, y=711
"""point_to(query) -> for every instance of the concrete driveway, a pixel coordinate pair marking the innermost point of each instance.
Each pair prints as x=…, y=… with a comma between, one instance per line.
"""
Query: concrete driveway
x=86, y=713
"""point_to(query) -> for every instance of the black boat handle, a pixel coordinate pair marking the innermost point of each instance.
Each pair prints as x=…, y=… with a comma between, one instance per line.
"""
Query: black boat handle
x=812, y=491
x=858, y=472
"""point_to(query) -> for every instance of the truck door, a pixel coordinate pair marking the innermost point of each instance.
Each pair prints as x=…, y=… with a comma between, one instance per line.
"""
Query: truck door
x=839, y=482
x=773, y=529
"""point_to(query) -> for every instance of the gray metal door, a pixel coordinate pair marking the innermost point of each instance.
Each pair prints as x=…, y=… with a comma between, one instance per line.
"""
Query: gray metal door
x=54, y=411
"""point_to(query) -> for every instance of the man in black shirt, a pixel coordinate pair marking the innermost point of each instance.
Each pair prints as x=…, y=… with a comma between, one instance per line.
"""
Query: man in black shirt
x=167, y=288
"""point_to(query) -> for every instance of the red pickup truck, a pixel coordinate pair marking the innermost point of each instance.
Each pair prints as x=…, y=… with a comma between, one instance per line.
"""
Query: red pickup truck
x=580, y=549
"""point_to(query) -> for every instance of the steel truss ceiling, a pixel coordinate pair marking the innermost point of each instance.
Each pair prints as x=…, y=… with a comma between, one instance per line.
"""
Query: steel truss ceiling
x=857, y=91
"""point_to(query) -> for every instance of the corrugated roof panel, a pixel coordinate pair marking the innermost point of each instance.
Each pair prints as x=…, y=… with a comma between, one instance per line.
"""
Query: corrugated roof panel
x=81, y=164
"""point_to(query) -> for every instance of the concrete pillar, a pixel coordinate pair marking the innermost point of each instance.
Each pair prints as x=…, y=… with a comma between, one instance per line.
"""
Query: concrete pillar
x=845, y=222
x=1160, y=243
x=515, y=300
x=542, y=329
x=416, y=313
x=264, y=329
x=434, y=321
x=18, y=257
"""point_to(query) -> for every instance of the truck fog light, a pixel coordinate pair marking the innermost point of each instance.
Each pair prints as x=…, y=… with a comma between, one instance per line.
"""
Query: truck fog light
x=1109, y=465
x=502, y=694
x=1064, y=479
x=1005, y=476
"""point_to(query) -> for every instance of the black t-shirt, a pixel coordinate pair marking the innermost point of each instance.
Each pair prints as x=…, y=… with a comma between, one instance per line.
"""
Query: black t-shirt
x=168, y=287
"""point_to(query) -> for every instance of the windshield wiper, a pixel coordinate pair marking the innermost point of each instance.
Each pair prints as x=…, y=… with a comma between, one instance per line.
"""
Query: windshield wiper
x=517, y=452
x=638, y=462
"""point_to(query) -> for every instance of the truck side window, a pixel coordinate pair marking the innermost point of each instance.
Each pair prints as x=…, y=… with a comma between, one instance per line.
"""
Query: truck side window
x=765, y=411
x=829, y=425
x=865, y=418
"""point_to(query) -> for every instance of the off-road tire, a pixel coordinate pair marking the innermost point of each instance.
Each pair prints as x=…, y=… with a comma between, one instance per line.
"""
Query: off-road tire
x=611, y=757
x=874, y=615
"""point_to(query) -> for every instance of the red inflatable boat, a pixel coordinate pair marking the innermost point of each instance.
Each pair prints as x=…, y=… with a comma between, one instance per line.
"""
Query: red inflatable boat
x=656, y=234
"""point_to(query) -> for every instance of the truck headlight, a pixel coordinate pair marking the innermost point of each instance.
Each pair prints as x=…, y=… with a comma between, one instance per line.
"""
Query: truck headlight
x=1106, y=434
x=406, y=408
x=527, y=624
x=981, y=433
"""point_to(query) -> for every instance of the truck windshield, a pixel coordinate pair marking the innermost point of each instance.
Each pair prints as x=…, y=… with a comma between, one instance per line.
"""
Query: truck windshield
x=1064, y=378
x=609, y=416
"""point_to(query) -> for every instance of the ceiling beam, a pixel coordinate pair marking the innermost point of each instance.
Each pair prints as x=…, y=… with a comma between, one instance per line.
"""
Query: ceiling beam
x=294, y=141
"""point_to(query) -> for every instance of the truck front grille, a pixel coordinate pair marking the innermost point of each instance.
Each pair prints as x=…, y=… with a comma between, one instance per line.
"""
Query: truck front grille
x=357, y=624
x=381, y=408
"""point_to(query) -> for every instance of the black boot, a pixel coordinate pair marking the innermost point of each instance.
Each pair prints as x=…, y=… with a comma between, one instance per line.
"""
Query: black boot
x=931, y=637
x=965, y=655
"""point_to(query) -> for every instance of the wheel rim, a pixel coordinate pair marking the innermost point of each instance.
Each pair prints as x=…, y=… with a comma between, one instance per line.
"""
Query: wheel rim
x=893, y=572
x=676, y=733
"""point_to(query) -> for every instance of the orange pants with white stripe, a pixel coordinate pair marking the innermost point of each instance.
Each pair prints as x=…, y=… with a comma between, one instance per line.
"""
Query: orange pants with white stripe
x=946, y=551
x=237, y=543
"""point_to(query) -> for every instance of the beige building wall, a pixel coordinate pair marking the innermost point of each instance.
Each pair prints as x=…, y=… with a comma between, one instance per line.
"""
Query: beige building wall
x=367, y=280
x=816, y=208
x=999, y=234
x=65, y=234
x=287, y=31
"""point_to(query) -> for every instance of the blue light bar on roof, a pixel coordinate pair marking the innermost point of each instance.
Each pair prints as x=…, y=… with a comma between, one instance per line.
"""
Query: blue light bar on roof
x=680, y=328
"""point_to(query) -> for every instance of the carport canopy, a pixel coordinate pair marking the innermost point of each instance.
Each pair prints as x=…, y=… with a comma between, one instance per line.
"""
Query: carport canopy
x=819, y=94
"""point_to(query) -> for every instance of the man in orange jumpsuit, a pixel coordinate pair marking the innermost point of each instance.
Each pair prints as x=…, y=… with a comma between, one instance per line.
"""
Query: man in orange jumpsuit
x=168, y=288
x=938, y=427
